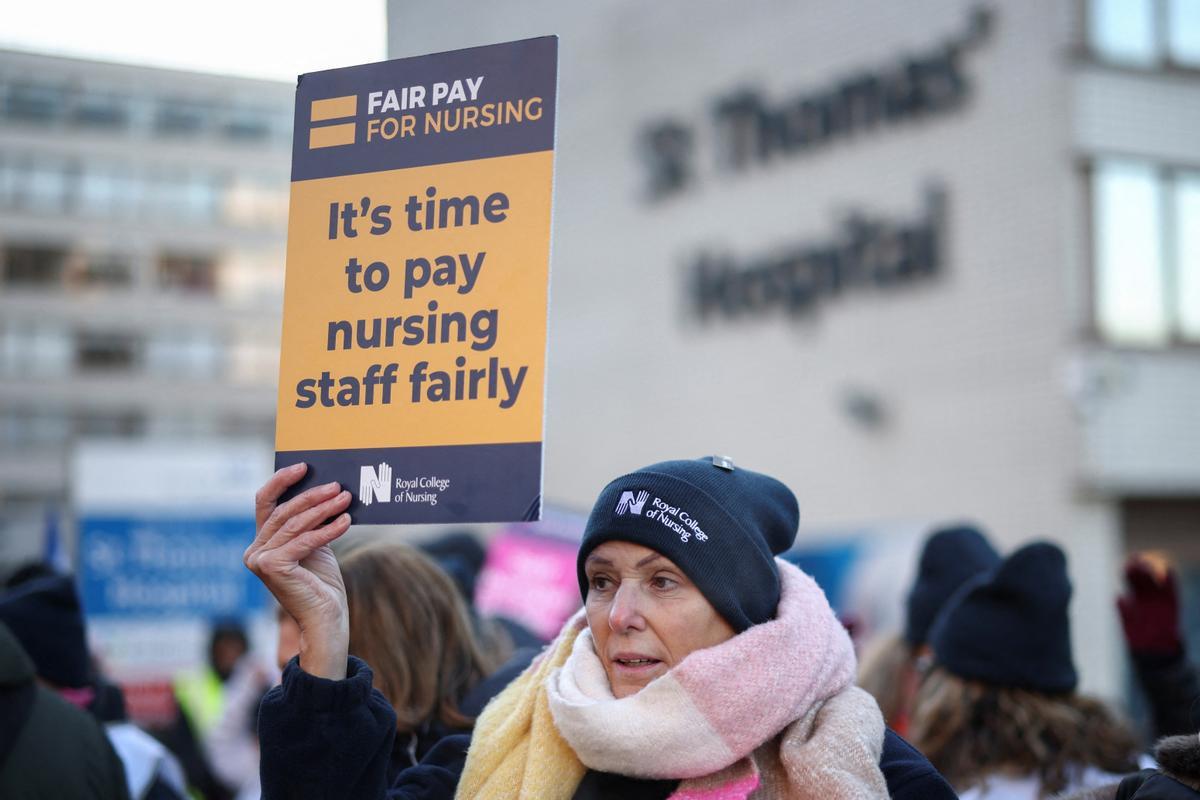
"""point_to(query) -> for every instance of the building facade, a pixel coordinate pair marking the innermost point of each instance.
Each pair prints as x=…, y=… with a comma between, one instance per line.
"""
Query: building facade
x=924, y=261
x=143, y=216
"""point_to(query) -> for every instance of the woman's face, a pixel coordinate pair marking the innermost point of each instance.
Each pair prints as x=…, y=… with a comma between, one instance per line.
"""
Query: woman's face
x=644, y=614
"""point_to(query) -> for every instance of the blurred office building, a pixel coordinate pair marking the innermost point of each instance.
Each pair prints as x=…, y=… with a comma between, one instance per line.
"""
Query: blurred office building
x=925, y=261
x=143, y=214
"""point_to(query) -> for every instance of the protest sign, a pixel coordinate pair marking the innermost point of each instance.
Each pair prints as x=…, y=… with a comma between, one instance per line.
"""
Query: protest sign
x=414, y=323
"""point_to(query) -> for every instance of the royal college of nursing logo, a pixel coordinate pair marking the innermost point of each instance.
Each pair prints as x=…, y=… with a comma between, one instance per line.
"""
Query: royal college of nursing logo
x=675, y=518
x=375, y=484
x=631, y=503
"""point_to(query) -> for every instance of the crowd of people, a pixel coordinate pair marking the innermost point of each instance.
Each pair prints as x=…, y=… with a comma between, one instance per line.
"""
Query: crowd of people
x=700, y=665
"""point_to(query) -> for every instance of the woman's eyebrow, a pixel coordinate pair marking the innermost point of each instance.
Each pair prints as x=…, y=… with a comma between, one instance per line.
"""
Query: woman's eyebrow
x=604, y=562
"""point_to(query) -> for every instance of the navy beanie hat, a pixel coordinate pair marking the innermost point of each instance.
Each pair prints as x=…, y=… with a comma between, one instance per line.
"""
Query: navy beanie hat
x=1009, y=627
x=721, y=524
x=461, y=556
x=951, y=557
x=45, y=616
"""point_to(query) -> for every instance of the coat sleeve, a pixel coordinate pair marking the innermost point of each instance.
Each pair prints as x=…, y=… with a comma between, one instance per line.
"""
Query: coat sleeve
x=321, y=738
x=909, y=774
x=1172, y=689
x=436, y=776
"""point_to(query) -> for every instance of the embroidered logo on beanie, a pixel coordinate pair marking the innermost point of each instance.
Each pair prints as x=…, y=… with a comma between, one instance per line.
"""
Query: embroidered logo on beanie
x=631, y=504
x=677, y=519
x=672, y=516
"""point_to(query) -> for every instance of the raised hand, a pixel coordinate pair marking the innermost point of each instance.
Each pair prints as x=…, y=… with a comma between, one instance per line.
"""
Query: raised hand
x=291, y=556
x=1150, y=608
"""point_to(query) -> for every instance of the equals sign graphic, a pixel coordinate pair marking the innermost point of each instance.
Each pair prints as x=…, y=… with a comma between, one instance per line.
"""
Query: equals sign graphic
x=330, y=109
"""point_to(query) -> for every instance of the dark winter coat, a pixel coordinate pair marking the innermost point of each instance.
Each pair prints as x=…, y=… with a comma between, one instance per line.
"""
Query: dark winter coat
x=49, y=748
x=909, y=776
x=1178, y=776
x=1172, y=688
x=336, y=739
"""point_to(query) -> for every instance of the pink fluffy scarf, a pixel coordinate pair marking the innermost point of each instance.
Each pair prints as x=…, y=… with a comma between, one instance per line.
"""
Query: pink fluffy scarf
x=772, y=712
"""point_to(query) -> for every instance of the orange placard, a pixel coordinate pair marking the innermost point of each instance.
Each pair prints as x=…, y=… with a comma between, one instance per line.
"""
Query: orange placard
x=414, y=329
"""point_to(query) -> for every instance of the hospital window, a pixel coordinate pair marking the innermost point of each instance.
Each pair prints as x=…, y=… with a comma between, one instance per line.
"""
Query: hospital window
x=1145, y=33
x=1146, y=253
x=106, y=352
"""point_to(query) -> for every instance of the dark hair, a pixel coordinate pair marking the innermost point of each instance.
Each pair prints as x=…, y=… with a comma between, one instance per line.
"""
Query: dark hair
x=884, y=671
x=409, y=622
x=970, y=730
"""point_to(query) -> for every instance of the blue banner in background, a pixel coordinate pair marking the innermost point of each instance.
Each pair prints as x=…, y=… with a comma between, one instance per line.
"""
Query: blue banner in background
x=830, y=565
x=167, y=566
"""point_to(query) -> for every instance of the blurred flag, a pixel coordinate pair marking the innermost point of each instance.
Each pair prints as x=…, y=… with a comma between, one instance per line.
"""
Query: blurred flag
x=53, y=551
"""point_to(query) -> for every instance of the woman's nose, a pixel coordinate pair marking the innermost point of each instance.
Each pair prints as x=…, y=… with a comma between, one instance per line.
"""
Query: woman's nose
x=626, y=612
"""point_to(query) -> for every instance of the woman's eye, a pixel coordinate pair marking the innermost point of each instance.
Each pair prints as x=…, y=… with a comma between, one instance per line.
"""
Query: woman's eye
x=662, y=582
x=599, y=582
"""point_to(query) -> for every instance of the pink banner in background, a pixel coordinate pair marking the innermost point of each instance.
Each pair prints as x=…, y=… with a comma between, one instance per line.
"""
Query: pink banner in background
x=530, y=578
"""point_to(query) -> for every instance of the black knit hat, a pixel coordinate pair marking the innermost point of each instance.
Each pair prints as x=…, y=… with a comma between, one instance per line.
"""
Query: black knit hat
x=1009, y=626
x=951, y=557
x=722, y=525
x=461, y=555
x=45, y=616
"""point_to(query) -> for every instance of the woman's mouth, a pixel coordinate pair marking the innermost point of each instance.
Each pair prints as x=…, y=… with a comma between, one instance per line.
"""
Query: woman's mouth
x=635, y=663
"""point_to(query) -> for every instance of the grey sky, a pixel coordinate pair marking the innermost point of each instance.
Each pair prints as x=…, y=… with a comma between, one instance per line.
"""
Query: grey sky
x=256, y=38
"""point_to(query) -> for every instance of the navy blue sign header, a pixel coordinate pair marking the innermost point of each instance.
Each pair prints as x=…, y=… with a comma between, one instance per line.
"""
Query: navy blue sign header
x=481, y=102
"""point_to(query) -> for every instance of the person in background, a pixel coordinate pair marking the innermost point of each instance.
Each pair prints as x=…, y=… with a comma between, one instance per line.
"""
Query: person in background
x=891, y=667
x=43, y=613
x=200, y=698
x=1176, y=778
x=232, y=744
x=409, y=622
x=462, y=556
x=153, y=771
x=201, y=694
x=1149, y=611
x=49, y=748
x=998, y=714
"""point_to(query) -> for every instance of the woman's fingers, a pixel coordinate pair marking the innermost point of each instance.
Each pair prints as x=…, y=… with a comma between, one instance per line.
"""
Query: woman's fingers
x=289, y=555
x=297, y=516
x=306, y=519
x=273, y=564
x=298, y=504
x=276, y=485
x=307, y=543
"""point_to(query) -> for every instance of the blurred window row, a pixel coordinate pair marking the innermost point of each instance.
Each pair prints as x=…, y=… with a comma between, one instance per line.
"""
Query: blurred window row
x=1145, y=33
x=1146, y=252
x=31, y=349
x=30, y=426
x=43, y=103
x=120, y=191
x=35, y=266
x=247, y=276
